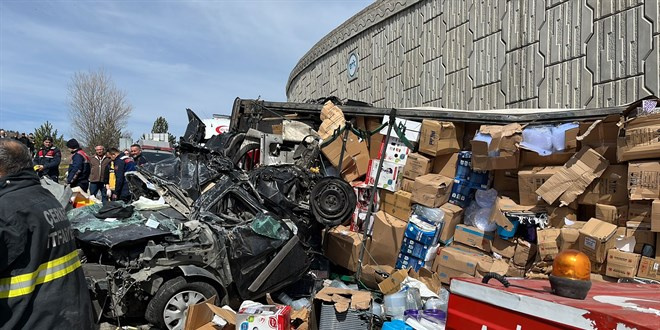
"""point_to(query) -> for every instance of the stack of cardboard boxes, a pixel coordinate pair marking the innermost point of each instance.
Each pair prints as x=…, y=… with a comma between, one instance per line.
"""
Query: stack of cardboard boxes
x=597, y=190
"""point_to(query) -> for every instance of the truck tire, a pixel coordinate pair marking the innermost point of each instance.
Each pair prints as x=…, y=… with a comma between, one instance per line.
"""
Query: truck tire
x=168, y=308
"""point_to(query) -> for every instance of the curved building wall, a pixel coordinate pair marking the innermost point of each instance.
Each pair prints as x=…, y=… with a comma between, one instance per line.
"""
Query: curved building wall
x=485, y=54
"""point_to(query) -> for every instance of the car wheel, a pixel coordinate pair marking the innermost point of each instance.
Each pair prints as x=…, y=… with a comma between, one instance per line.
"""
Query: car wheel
x=332, y=201
x=169, y=306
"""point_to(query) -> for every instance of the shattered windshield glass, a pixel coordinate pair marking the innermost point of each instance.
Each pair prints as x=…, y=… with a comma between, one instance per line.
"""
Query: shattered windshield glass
x=266, y=225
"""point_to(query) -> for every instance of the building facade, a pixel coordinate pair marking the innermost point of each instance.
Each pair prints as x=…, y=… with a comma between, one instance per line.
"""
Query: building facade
x=488, y=54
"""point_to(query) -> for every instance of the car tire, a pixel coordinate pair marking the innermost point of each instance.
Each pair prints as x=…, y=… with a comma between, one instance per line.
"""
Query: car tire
x=173, y=298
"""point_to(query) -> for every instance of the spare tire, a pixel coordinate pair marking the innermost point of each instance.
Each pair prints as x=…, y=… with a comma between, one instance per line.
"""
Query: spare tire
x=332, y=201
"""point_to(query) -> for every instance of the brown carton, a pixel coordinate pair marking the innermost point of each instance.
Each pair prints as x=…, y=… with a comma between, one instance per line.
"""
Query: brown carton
x=474, y=237
x=371, y=124
x=417, y=165
x=505, y=248
x=432, y=190
x=596, y=237
x=407, y=185
x=386, y=239
x=571, y=181
x=531, y=179
x=548, y=242
x=505, y=142
x=200, y=316
x=460, y=260
x=393, y=283
x=643, y=236
x=398, y=203
x=505, y=204
x=446, y=273
x=445, y=165
x=342, y=247
x=515, y=271
x=506, y=183
x=557, y=216
x=644, y=180
x=640, y=211
x=649, y=268
x=655, y=216
x=639, y=138
x=601, y=136
x=491, y=265
x=453, y=217
x=569, y=236
x=610, y=188
x=622, y=264
x=617, y=215
x=525, y=253
x=356, y=158
x=531, y=158
x=440, y=138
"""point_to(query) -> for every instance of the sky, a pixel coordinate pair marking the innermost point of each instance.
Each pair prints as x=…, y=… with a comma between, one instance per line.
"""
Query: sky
x=165, y=55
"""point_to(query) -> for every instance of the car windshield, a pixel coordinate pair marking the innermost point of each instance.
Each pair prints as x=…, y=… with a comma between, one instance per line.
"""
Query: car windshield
x=153, y=156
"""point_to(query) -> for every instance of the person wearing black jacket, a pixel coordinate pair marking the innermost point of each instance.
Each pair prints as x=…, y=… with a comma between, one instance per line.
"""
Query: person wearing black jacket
x=42, y=285
x=115, y=180
x=48, y=160
x=136, y=153
x=79, y=169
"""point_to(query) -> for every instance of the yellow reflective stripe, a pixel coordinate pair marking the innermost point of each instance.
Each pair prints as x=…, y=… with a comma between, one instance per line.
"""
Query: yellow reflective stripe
x=42, y=267
x=40, y=280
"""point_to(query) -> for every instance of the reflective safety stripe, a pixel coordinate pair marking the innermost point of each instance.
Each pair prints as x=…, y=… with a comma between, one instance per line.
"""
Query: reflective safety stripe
x=24, y=284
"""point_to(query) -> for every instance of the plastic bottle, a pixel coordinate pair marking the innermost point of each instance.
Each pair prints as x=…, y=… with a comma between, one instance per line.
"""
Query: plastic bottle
x=413, y=299
x=486, y=198
x=297, y=304
x=339, y=284
x=376, y=309
x=395, y=304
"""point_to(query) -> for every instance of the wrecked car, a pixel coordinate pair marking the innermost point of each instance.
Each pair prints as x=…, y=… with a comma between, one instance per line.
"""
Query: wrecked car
x=201, y=227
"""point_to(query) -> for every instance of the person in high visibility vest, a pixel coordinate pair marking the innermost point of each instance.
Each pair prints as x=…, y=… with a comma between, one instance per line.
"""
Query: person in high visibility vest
x=42, y=285
x=115, y=181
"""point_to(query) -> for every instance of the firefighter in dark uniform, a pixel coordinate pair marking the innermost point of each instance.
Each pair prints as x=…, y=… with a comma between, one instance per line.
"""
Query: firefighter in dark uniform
x=48, y=160
x=42, y=285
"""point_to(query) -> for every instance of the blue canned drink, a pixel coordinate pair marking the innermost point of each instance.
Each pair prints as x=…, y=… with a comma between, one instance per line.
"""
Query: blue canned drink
x=464, y=165
x=461, y=193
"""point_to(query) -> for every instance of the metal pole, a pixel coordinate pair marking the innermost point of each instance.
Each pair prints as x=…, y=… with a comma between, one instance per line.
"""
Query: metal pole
x=343, y=147
x=374, y=191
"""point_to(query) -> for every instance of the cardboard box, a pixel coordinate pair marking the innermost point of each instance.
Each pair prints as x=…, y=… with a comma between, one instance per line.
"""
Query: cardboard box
x=571, y=181
x=355, y=160
x=385, y=243
x=644, y=180
x=370, y=124
x=531, y=179
x=515, y=271
x=505, y=141
x=506, y=183
x=416, y=249
x=412, y=128
x=407, y=184
x=445, y=165
x=440, y=138
x=473, y=236
x=639, y=138
x=396, y=151
x=505, y=248
x=643, y=236
x=617, y=215
x=460, y=260
x=363, y=192
x=649, y=268
x=655, y=216
x=404, y=261
x=343, y=299
x=393, y=283
x=525, y=253
x=596, y=238
x=504, y=205
x=264, y=317
x=446, y=274
x=569, y=239
x=200, y=316
x=557, y=216
x=398, y=204
x=453, y=217
x=611, y=188
x=390, y=175
x=491, y=265
x=422, y=232
x=601, y=135
x=417, y=165
x=342, y=247
x=622, y=264
x=432, y=190
x=640, y=211
x=548, y=242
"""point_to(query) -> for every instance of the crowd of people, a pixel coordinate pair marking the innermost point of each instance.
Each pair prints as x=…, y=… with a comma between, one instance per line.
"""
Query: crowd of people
x=101, y=174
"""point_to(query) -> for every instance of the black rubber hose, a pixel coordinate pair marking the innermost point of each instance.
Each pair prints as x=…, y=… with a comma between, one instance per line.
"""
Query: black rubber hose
x=496, y=276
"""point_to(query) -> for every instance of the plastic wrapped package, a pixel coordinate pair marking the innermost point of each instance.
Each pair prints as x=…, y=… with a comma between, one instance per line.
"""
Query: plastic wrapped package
x=538, y=139
x=559, y=135
x=482, y=220
x=428, y=214
x=470, y=213
x=486, y=198
x=488, y=139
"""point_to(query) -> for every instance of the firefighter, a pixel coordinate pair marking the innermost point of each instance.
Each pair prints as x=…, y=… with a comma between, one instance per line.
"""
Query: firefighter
x=42, y=285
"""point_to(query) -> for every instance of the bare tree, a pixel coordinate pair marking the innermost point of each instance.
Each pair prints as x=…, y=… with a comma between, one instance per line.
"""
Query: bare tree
x=99, y=111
